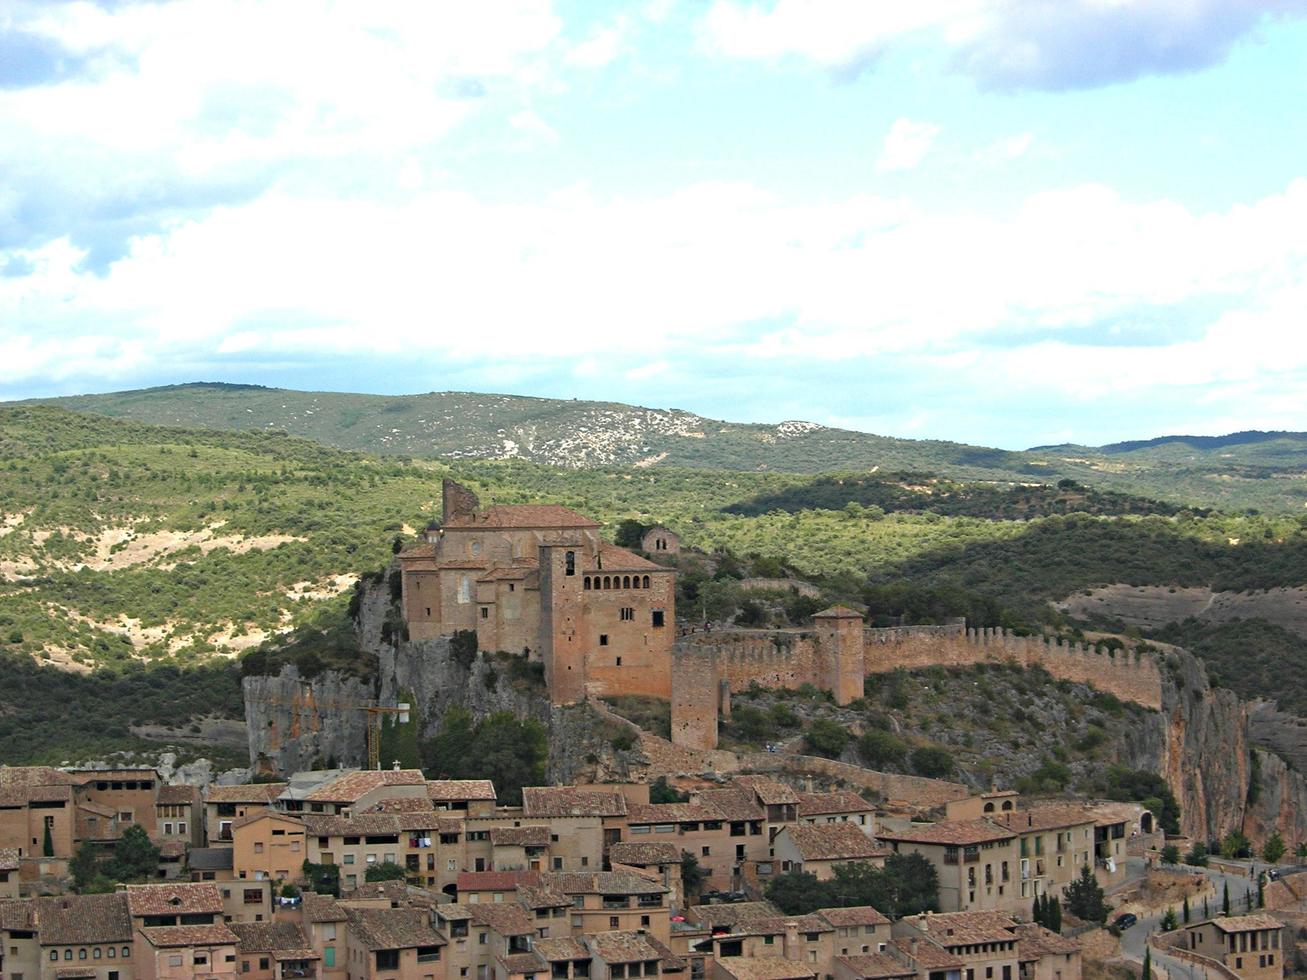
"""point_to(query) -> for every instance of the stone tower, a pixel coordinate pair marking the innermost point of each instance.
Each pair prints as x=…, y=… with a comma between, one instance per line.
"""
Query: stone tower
x=563, y=635
x=841, y=660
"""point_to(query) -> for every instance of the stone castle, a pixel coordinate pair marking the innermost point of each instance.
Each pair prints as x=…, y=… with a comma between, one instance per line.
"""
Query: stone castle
x=538, y=579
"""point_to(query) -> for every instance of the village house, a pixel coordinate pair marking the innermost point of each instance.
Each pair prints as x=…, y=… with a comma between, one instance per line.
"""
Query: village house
x=582, y=823
x=177, y=811
x=840, y=806
x=1249, y=945
x=275, y=951
x=9, y=867
x=399, y=943
x=268, y=845
x=656, y=860
x=977, y=861
x=821, y=848
x=986, y=942
x=1054, y=841
x=224, y=805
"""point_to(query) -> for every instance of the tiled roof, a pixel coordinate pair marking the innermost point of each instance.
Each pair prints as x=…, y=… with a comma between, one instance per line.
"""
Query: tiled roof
x=350, y=787
x=217, y=934
x=769, y=791
x=620, y=560
x=711, y=916
x=258, y=815
x=269, y=937
x=453, y=911
x=20, y=794
x=18, y=913
x=393, y=928
x=1048, y=817
x=734, y=804
x=325, y=825
x=956, y=833
x=521, y=516
x=210, y=859
x=763, y=968
x=857, y=915
x=541, y=897
x=1244, y=923
x=322, y=908
x=926, y=954
x=966, y=928
x=672, y=813
x=840, y=801
x=178, y=794
x=875, y=966
x=555, y=950
x=523, y=569
x=403, y=804
x=571, y=801
x=601, y=883
x=35, y=776
x=245, y=793
x=532, y=836
x=522, y=963
x=8, y=859
x=178, y=898
x=494, y=881
x=79, y=919
x=644, y=852
x=506, y=918
x=172, y=849
x=625, y=947
x=461, y=789
x=776, y=925
x=834, y=842
x=1034, y=941
x=392, y=890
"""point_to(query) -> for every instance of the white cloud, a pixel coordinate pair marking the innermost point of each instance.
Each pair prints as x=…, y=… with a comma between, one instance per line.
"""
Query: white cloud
x=528, y=122
x=1050, y=44
x=602, y=46
x=906, y=145
x=1005, y=150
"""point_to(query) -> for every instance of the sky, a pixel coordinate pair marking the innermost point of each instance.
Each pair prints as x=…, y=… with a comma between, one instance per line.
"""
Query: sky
x=1005, y=222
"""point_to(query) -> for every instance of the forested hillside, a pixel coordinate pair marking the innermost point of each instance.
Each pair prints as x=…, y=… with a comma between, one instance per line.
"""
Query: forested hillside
x=124, y=545
x=1261, y=470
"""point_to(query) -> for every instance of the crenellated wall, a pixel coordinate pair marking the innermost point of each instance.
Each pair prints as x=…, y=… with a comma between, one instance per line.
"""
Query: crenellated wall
x=825, y=657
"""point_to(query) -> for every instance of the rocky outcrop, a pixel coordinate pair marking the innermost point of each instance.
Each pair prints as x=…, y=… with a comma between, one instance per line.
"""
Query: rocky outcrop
x=1154, y=606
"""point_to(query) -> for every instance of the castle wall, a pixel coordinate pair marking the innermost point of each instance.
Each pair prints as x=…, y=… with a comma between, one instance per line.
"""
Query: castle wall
x=630, y=656
x=695, y=692
x=562, y=627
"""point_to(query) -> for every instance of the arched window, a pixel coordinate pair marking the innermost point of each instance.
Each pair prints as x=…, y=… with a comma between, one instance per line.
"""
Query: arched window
x=646, y=582
x=587, y=583
x=571, y=563
x=1007, y=804
x=608, y=582
x=626, y=581
x=989, y=807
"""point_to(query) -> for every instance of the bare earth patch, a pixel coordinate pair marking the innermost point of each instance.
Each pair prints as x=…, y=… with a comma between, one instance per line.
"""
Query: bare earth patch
x=327, y=588
x=1153, y=606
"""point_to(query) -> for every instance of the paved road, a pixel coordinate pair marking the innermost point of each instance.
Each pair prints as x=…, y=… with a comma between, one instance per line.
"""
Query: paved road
x=1134, y=938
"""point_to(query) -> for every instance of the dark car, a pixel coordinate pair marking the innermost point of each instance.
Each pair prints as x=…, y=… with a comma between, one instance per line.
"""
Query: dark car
x=1125, y=921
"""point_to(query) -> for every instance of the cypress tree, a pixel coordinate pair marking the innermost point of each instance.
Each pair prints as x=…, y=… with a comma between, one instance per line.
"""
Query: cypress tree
x=1206, y=913
x=1037, y=913
x=1055, y=918
x=1225, y=899
x=47, y=845
x=1184, y=910
x=1261, y=894
x=1148, y=962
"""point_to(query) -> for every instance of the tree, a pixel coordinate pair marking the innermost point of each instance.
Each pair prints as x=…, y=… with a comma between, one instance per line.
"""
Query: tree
x=47, y=844
x=290, y=890
x=384, y=871
x=1170, y=854
x=135, y=858
x=1273, y=849
x=930, y=760
x=1236, y=845
x=798, y=892
x=1206, y=912
x=630, y=533
x=1037, y=913
x=1148, y=962
x=84, y=866
x=1137, y=785
x=827, y=737
x=879, y=749
x=1261, y=892
x=1055, y=916
x=322, y=878
x=1169, y=920
x=660, y=791
x=1184, y=910
x=1197, y=856
x=692, y=874
x=501, y=748
x=1225, y=899
x=1084, y=897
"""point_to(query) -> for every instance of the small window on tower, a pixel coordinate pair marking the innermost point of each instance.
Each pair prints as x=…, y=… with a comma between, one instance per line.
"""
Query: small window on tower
x=657, y=617
x=571, y=563
x=603, y=639
x=485, y=612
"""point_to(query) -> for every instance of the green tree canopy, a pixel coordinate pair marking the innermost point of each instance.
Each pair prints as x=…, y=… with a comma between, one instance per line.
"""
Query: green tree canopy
x=1084, y=897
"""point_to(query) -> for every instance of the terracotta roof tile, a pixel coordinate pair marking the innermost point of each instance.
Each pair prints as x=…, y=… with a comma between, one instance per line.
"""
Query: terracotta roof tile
x=955, y=833
x=403, y=804
x=361, y=824
x=951, y=929
x=555, y=950
x=834, y=842
x=174, y=936
x=571, y=801
x=532, y=836
x=617, y=559
x=857, y=915
x=734, y=804
x=78, y=919
x=176, y=898
x=506, y=918
x=641, y=853
x=713, y=916
x=350, y=787
x=522, y=516
x=522, y=963
x=626, y=947
x=1034, y=941
x=672, y=813
x=269, y=937
x=838, y=612
x=1047, y=817
x=446, y=790
x=245, y=793
x=926, y=954
x=494, y=881
x=322, y=908
x=1244, y=923
x=764, y=968
x=393, y=928
x=8, y=859
x=770, y=792
x=178, y=794
x=601, y=883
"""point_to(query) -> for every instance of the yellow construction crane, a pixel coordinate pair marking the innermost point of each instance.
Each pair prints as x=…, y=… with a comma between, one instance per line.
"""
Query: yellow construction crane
x=375, y=713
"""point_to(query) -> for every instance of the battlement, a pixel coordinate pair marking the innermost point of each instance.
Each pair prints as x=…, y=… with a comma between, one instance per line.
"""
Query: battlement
x=830, y=656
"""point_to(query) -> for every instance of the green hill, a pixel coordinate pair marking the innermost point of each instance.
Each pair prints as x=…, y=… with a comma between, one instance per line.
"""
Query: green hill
x=1267, y=473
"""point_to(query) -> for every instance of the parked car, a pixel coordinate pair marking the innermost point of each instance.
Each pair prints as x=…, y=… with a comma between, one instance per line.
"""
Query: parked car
x=1126, y=920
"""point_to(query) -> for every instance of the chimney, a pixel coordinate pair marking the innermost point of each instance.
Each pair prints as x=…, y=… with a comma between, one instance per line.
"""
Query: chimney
x=792, y=941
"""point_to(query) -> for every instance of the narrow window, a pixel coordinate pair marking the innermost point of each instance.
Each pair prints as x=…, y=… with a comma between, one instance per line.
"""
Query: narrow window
x=586, y=585
x=626, y=581
x=646, y=582
x=657, y=617
x=571, y=563
x=603, y=639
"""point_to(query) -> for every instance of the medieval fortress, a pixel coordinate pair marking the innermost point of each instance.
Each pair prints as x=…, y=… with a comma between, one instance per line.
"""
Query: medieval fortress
x=538, y=579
